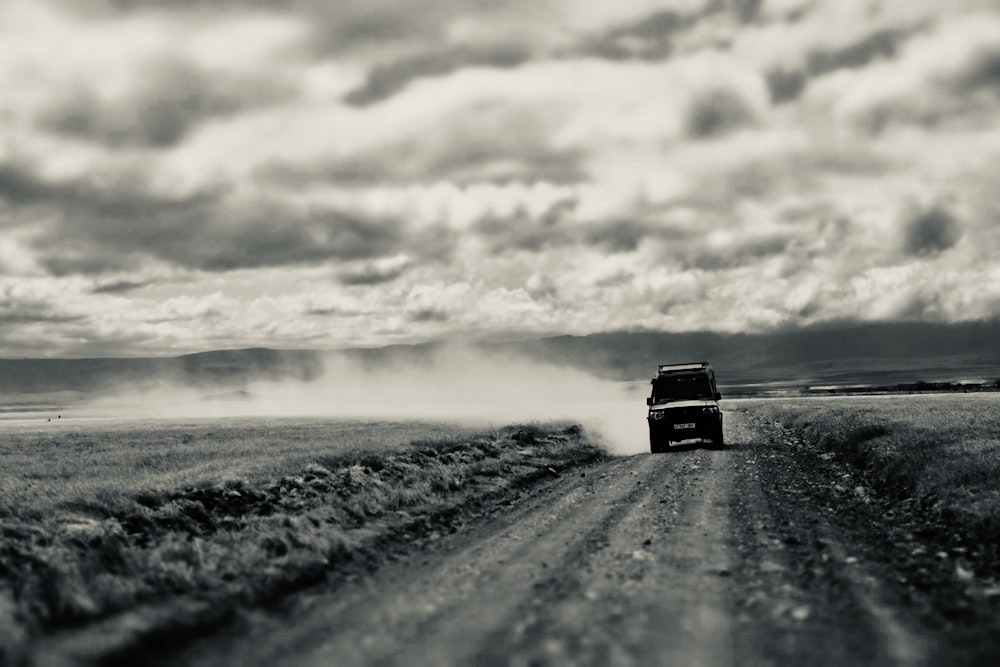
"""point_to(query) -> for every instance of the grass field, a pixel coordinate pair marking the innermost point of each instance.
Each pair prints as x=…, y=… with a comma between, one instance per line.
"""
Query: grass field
x=939, y=452
x=69, y=465
x=101, y=518
x=98, y=518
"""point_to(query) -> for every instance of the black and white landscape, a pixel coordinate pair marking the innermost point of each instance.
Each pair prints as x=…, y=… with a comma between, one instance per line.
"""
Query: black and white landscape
x=326, y=330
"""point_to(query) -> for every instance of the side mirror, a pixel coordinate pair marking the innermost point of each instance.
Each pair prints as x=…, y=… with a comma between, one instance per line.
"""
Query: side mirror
x=649, y=400
x=718, y=396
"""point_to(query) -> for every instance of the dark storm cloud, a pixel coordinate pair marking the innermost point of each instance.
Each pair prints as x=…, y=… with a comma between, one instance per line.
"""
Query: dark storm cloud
x=983, y=73
x=878, y=45
x=484, y=145
x=623, y=236
x=99, y=228
x=372, y=275
x=477, y=159
x=173, y=98
x=787, y=84
x=745, y=10
x=180, y=5
x=18, y=186
x=923, y=306
x=491, y=158
x=962, y=96
x=124, y=196
x=93, y=227
x=717, y=112
x=722, y=188
x=328, y=312
x=118, y=287
x=744, y=252
x=272, y=235
x=341, y=26
x=353, y=24
x=12, y=318
x=556, y=228
x=240, y=236
x=650, y=38
x=553, y=228
x=429, y=315
x=17, y=309
x=384, y=81
x=520, y=232
x=931, y=232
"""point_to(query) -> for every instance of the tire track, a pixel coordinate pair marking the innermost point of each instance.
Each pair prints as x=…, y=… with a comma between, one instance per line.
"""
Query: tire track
x=439, y=610
x=806, y=599
x=697, y=556
x=655, y=592
x=511, y=574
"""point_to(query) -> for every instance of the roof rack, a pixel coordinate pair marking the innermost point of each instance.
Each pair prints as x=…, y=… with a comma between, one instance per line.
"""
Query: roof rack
x=691, y=366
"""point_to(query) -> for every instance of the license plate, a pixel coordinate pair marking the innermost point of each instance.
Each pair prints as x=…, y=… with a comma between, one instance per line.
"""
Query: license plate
x=688, y=425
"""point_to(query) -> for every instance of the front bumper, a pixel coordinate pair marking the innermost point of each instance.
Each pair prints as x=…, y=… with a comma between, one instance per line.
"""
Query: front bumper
x=685, y=424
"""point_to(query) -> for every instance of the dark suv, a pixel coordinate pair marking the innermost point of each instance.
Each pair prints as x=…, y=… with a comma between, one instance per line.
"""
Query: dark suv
x=684, y=405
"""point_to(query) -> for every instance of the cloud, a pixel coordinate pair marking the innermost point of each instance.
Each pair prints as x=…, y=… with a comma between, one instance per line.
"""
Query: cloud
x=481, y=137
x=376, y=272
x=384, y=81
x=521, y=230
x=877, y=45
x=27, y=307
x=982, y=71
x=118, y=287
x=649, y=38
x=940, y=77
x=8, y=317
x=716, y=112
x=788, y=84
x=90, y=227
x=931, y=231
x=109, y=226
x=746, y=10
x=18, y=186
x=248, y=237
x=185, y=175
x=170, y=99
x=126, y=6
x=429, y=315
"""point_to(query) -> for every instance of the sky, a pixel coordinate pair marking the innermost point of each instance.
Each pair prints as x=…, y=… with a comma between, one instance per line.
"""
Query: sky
x=186, y=175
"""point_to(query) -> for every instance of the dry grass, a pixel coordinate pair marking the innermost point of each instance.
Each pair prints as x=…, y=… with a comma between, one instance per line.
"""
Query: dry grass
x=50, y=467
x=941, y=452
x=98, y=521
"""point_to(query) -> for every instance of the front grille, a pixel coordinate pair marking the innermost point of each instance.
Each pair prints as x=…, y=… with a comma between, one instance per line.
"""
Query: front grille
x=704, y=422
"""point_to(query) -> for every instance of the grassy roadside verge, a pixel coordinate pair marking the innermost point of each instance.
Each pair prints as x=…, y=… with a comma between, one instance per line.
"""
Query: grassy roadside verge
x=232, y=542
x=938, y=454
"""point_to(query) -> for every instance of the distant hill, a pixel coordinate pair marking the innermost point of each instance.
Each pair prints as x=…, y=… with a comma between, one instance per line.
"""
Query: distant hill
x=828, y=353
x=225, y=368
x=845, y=354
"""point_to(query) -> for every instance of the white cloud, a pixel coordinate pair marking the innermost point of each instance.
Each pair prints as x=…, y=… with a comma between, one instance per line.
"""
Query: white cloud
x=926, y=84
x=16, y=259
x=205, y=179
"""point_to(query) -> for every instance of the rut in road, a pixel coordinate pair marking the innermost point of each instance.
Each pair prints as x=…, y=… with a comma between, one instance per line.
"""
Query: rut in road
x=650, y=559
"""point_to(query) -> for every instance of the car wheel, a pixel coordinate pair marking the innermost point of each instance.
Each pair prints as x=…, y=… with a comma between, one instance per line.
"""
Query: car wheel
x=718, y=442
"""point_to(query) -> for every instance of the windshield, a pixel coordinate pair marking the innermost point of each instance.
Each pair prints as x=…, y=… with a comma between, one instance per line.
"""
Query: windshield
x=681, y=388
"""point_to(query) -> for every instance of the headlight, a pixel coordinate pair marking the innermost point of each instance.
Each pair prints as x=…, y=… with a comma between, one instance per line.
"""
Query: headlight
x=711, y=410
x=657, y=415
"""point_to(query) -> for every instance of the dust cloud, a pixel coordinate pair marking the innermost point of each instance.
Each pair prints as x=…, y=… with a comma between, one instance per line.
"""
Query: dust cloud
x=453, y=384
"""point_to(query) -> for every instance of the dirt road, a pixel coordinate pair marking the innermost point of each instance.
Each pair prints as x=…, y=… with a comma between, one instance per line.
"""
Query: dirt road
x=696, y=557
